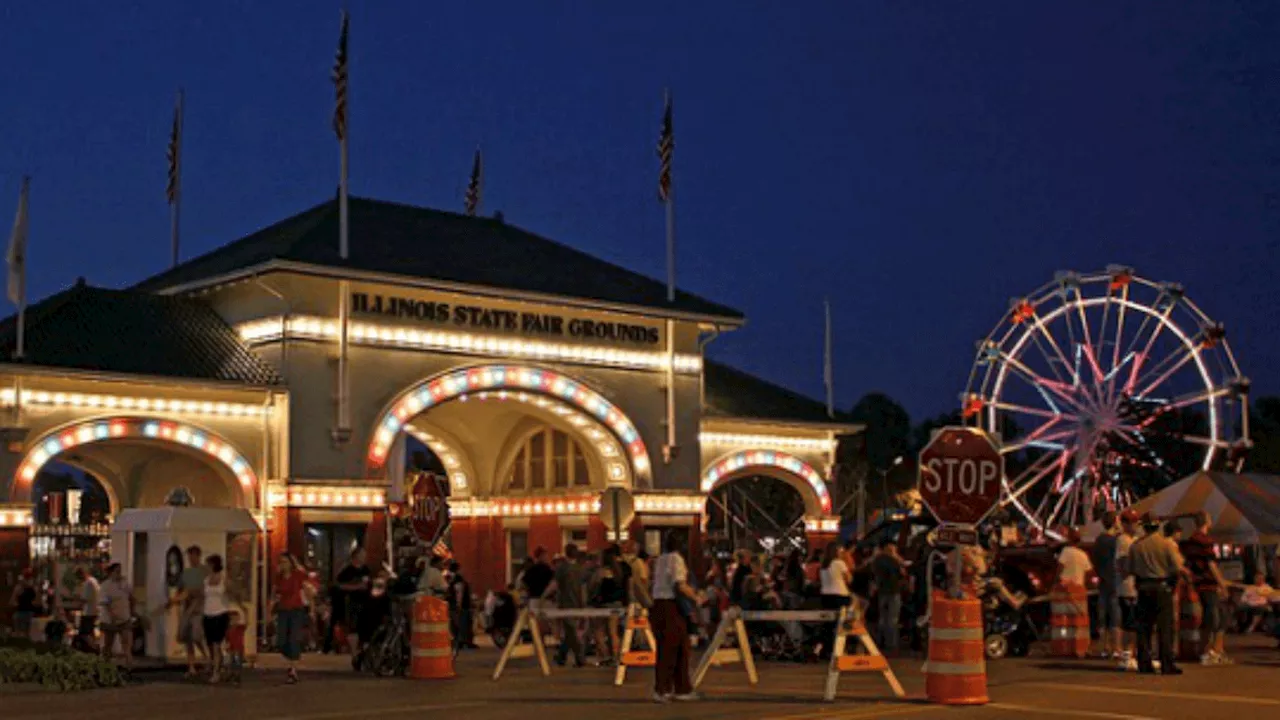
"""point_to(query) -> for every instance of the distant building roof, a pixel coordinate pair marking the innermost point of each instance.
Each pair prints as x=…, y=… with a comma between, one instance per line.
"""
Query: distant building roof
x=436, y=245
x=124, y=331
x=730, y=392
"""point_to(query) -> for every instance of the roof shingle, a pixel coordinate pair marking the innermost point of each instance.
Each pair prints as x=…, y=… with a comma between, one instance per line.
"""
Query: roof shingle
x=730, y=392
x=123, y=331
x=437, y=245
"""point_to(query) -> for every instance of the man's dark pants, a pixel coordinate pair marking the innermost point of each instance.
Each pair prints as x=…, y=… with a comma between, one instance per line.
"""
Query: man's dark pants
x=1155, y=614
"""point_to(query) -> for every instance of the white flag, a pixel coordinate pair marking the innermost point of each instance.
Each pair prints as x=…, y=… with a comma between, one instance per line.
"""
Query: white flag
x=17, y=256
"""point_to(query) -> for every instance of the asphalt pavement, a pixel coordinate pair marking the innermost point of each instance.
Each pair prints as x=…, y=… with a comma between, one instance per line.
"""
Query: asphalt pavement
x=1018, y=688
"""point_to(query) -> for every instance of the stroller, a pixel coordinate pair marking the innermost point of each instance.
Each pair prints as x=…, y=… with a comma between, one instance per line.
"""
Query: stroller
x=500, y=618
x=778, y=641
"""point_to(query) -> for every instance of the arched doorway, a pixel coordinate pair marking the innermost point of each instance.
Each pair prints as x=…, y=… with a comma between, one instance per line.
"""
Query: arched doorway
x=531, y=449
x=537, y=386
x=139, y=460
x=766, y=500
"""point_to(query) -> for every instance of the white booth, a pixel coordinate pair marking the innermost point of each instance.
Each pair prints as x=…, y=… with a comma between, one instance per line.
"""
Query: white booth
x=151, y=545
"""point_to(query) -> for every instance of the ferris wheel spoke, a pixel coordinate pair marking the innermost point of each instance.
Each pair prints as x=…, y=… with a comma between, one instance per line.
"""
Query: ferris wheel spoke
x=1038, y=381
x=1063, y=499
x=1206, y=441
x=1057, y=349
x=1051, y=362
x=1028, y=410
x=1115, y=346
x=1141, y=358
x=1038, y=471
x=1049, y=441
x=1187, y=400
x=1187, y=354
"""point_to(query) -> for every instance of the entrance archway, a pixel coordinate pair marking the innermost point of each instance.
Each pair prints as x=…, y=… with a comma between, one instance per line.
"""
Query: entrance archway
x=184, y=438
x=553, y=388
x=788, y=468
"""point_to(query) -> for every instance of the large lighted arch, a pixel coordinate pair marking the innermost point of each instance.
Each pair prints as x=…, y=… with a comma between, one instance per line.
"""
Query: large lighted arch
x=736, y=464
x=60, y=440
x=457, y=383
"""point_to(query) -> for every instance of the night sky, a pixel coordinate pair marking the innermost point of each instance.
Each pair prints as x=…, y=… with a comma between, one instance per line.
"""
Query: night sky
x=921, y=162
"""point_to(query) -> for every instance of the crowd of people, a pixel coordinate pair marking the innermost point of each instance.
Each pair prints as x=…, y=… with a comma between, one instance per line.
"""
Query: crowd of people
x=1145, y=570
x=104, y=617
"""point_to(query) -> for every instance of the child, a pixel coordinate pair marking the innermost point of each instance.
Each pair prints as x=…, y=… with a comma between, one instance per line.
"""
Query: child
x=235, y=645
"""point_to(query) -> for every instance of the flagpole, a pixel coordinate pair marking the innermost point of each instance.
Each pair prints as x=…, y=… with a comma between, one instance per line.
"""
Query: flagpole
x=17, y=260
x=828, y=375
x=175, y=208
x=344, y=286
x=671, y=299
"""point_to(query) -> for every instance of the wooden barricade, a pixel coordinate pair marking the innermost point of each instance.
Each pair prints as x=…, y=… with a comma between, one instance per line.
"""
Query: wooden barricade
x=533, y=622
x=637, y=620
x=848, y=624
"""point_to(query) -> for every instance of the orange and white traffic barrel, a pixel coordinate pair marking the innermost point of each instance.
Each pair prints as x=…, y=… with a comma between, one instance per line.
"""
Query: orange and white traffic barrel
x=1069, y=621
x=956, y=671
x=1190, y=616
x=431, y=647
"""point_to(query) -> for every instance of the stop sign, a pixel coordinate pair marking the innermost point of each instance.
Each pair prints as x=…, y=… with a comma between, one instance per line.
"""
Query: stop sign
x=429, y=507
x=961, y=470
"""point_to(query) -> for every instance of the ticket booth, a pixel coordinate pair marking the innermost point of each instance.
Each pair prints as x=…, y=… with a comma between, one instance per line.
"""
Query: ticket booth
x=151, y=544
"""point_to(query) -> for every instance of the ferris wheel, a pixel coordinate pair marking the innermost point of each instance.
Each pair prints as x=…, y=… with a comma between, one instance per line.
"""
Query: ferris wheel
x=1105, y=387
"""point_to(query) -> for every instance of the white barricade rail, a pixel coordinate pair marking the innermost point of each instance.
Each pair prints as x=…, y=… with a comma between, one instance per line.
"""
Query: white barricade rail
x=533, y=622
x=848, y=624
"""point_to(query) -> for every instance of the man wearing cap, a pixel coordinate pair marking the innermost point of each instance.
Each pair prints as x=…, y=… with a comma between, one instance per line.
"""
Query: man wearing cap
x=1128, y=588
x=1156, y=564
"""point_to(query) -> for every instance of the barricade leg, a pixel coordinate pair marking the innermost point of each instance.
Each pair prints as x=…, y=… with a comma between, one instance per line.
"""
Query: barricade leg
x=744, y=649
x=525, y=621
x=636, y=619
x=871, y=660
x=717, y=641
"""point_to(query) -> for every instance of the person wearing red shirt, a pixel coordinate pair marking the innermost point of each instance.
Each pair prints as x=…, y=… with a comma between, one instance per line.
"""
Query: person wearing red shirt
x=289, y=602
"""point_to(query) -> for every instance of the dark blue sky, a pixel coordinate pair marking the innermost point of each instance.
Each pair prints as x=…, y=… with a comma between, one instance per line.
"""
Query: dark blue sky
x=920, y=162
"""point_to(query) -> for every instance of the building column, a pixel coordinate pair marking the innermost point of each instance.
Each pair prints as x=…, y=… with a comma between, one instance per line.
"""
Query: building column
x=15, y=556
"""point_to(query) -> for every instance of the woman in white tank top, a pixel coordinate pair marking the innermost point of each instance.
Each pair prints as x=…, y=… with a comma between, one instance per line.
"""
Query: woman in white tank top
x=217, y=613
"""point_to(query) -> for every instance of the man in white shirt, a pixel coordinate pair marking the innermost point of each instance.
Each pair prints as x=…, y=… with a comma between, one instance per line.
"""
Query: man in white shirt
x=90, y=600
x=671, y=625
x=1073, y=563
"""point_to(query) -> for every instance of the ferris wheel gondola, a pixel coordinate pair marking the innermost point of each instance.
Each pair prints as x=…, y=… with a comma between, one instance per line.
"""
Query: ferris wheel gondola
x=1102, y=387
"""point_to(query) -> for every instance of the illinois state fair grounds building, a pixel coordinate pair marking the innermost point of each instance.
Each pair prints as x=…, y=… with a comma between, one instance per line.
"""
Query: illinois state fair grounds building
x=538, y=375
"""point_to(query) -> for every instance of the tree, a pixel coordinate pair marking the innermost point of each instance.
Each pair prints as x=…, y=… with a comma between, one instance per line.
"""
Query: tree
x=1264, y=430
x=888, y=433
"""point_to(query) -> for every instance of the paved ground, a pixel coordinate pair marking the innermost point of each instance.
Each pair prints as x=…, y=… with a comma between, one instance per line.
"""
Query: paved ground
x=1033, y=687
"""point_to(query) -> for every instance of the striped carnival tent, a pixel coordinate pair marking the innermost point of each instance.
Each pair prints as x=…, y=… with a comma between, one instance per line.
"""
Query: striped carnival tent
x=1245, y=508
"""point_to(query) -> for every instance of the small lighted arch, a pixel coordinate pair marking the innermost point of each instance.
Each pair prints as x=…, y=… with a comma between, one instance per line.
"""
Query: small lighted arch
x=94, y=431
x=441, y=389
x=734, y=463
x=455, y=463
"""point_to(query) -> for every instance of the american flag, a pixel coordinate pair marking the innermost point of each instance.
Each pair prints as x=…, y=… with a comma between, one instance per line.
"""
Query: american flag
x=340, y=83
x=174, y=153
x=472, y=200
x=666, y=146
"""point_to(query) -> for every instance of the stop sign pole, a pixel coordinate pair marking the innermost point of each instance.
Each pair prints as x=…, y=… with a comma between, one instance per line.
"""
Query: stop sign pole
x=961, y=476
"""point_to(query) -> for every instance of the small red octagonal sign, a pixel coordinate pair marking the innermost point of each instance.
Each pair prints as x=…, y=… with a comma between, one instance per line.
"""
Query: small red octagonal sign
x=961, y=474
x=429, y=507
